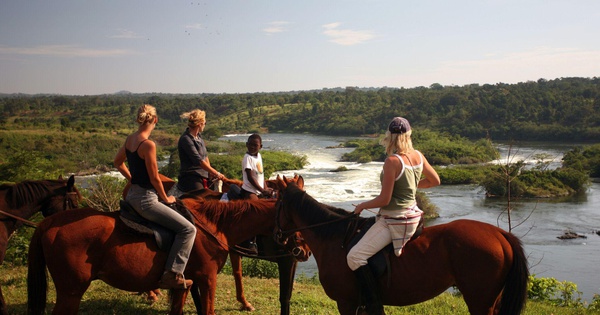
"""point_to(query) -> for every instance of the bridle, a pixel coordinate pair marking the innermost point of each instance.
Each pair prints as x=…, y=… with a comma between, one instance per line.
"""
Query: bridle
x=296, y=251
x=280, y=233
x=69, y=202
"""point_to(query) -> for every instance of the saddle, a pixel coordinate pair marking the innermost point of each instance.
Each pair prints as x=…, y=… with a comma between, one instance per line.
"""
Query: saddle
x=379, y=262
x=164, y=237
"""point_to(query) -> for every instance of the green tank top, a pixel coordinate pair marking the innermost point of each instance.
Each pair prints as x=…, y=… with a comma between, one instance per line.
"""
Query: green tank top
x=405, y=188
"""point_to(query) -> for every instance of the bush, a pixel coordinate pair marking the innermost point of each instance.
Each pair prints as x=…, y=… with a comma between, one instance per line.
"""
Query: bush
x=259, y=268
x=559, y=293
x=18, y=246
x=105, y=193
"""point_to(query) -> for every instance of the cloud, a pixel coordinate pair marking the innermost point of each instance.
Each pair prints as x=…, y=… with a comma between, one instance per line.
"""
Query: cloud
x=346, y=37
x=64, y=51
x=126, y=34
x=276, y=27
x=196, y=26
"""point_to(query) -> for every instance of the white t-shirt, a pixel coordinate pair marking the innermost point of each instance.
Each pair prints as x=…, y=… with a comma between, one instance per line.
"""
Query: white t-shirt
x=255, y=164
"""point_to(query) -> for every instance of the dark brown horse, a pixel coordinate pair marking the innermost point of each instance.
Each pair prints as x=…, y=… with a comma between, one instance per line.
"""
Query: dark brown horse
x=20, y=201
x=486, y=263
x=286, y=256
x=101, y=247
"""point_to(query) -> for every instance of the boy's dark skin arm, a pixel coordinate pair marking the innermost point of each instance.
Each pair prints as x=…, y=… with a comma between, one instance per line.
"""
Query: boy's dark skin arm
x=266, y=192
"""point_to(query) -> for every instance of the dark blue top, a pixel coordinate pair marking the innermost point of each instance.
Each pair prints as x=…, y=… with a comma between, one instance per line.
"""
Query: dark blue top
x=191, y=152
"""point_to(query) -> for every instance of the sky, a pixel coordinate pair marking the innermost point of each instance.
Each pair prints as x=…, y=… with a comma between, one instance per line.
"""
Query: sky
x=77, y=47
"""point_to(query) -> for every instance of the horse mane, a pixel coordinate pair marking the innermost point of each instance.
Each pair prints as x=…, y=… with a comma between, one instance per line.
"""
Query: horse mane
x=227, y=213
x=20, y=194
x=201, y=193
x=315, y=212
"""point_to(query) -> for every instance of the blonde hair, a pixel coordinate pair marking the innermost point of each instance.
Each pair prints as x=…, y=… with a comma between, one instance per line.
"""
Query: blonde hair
x=195, y=117
x=397, y=143
x=146, y=115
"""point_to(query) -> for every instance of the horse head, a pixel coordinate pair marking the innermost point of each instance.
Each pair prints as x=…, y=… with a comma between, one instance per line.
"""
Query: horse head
x=64, y=197
x=300, y=249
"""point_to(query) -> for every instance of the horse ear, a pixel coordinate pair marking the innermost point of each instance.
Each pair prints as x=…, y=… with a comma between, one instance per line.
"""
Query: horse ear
x=60, y=177
x=71, y=181
x=300, y=182
x=281, y=183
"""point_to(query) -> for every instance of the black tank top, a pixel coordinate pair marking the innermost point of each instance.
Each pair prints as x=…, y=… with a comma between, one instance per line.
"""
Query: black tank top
x=137, y=168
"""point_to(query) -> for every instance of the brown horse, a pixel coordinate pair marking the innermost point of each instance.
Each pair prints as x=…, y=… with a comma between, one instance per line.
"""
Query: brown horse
x=101, y=247
x=20, y=201
x=486, y=263
x=286, y=256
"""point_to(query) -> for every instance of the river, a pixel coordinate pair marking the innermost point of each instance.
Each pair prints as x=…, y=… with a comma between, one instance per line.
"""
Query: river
x=573, y=260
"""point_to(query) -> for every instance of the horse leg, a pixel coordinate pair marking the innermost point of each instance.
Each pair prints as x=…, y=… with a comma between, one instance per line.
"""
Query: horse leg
x=287, y=270
x=3, y=310
x=207, y=285
x=67, y=301
x=153, y=295
x=196, y=297
x=347, y=308
x=178, y=301
x=480, y=295
x=236, y=266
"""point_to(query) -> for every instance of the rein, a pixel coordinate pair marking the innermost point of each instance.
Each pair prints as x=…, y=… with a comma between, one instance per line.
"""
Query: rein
x=26, y=222
x=281, y=232
x=235, y=248
x=68, y=204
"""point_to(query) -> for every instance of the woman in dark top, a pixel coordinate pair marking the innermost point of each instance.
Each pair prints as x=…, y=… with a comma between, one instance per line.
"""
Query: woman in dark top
x=195, y=167
x=147, y=192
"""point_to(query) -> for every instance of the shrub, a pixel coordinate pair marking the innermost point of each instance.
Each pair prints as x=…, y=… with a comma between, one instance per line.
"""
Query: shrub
x=104, y=194
x=259, y=268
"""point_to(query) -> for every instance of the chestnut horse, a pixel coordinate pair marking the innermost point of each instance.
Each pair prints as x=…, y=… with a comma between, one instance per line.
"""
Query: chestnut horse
x=286, y=256
x=486, y=263
x=20, y=201
x=80, y=246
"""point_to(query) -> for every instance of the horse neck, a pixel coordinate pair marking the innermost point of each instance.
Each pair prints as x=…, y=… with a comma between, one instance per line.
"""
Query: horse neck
x=252, y=223
x=25, y=210
x=243, y=224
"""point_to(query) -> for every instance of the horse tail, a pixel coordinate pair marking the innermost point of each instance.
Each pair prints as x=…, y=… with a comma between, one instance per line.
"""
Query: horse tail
x=36, y=275
x=515, y=288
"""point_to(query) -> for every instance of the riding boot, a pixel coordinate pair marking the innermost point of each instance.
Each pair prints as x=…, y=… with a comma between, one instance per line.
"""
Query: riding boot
x=171, y=280
x=369, y=290
x=250, y=247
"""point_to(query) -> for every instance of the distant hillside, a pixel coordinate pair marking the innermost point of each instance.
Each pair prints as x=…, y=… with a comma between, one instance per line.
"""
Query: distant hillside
x=565, y=109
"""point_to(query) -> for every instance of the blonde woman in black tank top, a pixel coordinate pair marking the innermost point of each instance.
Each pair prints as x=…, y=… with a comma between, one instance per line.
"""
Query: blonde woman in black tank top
x=148, y=197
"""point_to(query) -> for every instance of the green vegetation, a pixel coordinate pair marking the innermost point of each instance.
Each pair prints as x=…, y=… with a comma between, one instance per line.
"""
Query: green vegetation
x=532, y=183
x=585, y=159
x=564, y=109
x=439, y=148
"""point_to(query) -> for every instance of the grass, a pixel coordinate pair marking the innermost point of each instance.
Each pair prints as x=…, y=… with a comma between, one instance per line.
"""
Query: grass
x=307, y=299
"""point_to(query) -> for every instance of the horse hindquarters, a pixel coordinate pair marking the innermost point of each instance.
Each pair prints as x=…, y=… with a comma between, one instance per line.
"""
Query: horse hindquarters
x=514, y=294
x=36, y=275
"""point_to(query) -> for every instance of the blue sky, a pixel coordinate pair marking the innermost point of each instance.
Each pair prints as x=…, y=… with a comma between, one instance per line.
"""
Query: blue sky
x=221, y=46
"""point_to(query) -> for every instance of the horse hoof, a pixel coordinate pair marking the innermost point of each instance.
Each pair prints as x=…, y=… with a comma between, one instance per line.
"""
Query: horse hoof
x=247, y=308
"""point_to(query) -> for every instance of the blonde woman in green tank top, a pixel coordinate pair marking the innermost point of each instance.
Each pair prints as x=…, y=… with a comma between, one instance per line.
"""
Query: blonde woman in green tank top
x=404, y=170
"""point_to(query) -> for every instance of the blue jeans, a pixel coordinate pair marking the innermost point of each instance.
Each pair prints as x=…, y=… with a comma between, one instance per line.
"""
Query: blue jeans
x=146, y=203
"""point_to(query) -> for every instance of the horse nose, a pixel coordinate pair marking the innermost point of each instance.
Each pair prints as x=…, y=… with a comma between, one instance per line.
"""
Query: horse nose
x=300, y=254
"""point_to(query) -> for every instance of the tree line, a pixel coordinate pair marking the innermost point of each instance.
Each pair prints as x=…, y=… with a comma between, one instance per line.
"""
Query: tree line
x=564, y=109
